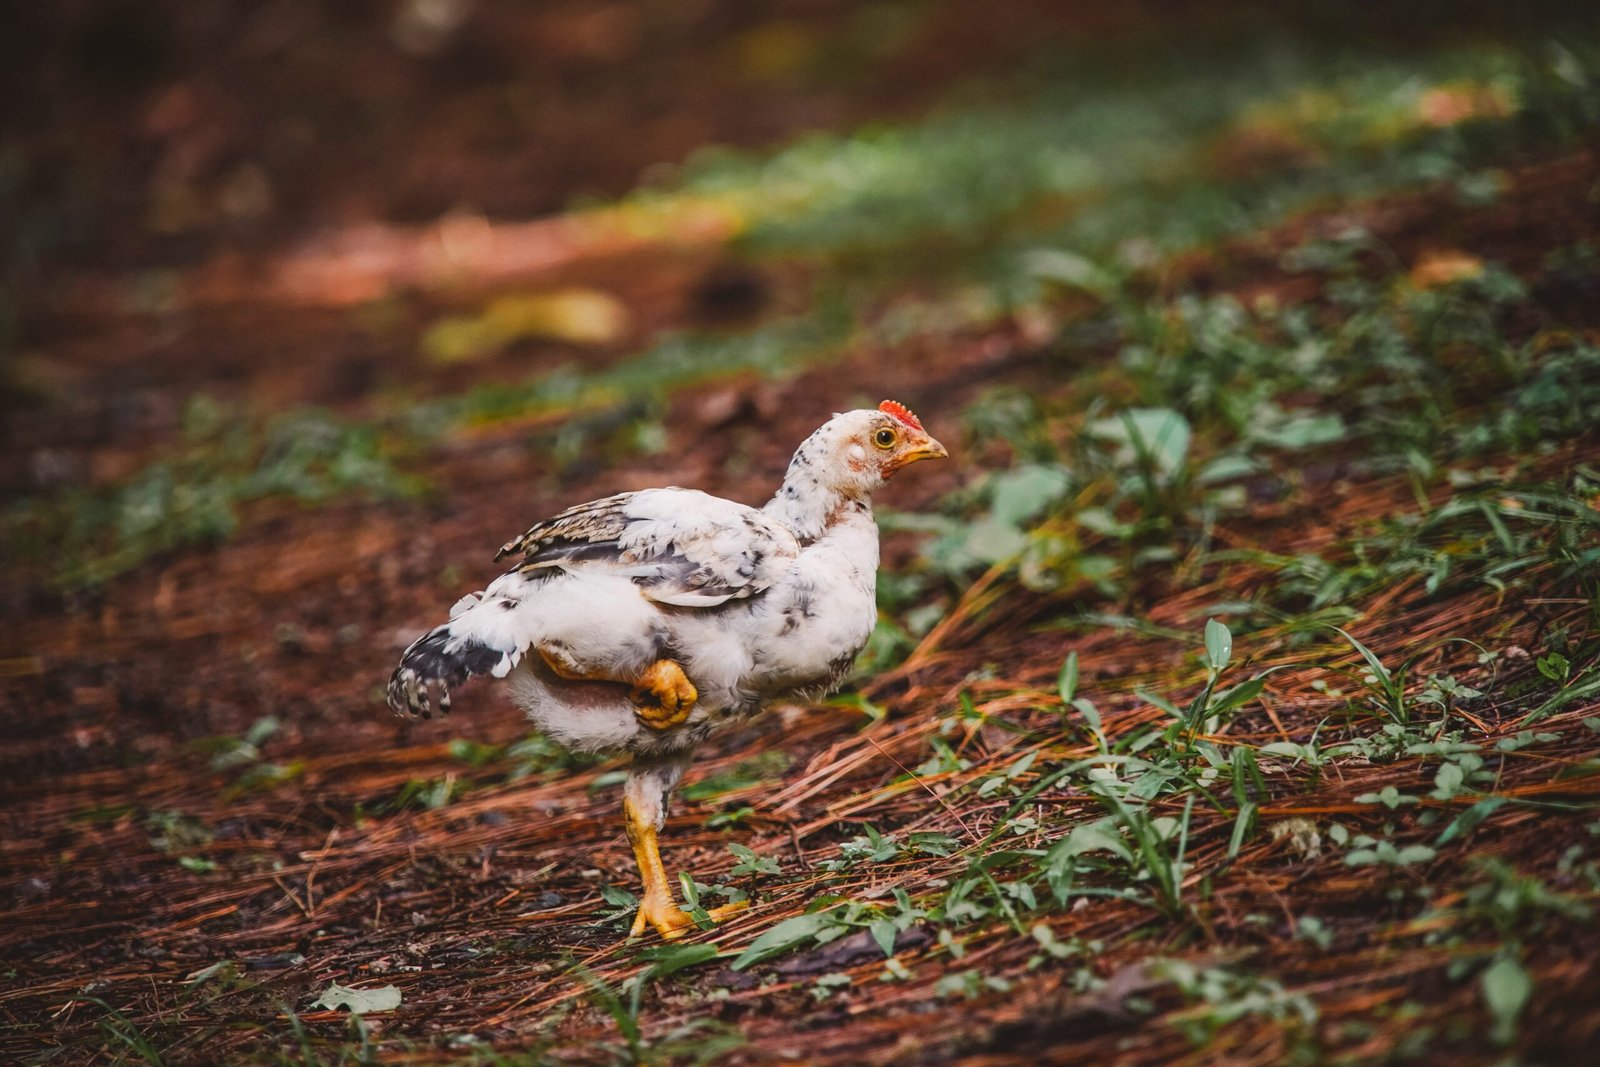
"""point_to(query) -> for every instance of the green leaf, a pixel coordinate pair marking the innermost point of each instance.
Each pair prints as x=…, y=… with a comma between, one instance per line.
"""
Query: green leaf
x=1447, y=782
x=261, y=730
x=1413, y=854
x=1506, y=989
x=1241, y=828
x=358, y=1001
x=1067, y=681
x=1553, y=666
x=669, y=959
x=1090, y=713
x=991, y=540
x=1158, y=701
x=1242, y=693
x=1302, y=430
x=1159, y=436
x=1246, y=773
x=1373, y=662
x=1018, y=496
x=223, y=968
x=1497, y=524
x=1388, y=796
x=1226, y=468
x=607, y=780
x=784, y=936
x=1469, y=820
x=1069, y=269
x=751, y=862
x=1574, y=689
x=1219, y=645
x=883, y=932
x=1021, y=766
x=1094, y=836
x=618, y=897
x=930, y=843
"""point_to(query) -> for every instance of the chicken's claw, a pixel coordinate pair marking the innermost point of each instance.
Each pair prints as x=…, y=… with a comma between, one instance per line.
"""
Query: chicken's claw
x=671, y=921
x=663, y=696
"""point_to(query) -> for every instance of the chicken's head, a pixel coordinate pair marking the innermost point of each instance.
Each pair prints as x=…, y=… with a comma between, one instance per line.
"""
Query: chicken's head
x=860, y=450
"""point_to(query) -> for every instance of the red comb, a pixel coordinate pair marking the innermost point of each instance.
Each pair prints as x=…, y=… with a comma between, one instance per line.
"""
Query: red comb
x=901, y=412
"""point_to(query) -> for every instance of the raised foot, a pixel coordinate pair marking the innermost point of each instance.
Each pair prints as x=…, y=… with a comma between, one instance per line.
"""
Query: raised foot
x=663, y=696
x=672, y=922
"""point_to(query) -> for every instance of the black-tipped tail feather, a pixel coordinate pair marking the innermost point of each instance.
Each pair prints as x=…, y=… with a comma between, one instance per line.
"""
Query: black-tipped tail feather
x=436, y=662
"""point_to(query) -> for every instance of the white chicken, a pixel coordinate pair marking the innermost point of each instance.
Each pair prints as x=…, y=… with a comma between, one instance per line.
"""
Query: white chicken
x=642, y=622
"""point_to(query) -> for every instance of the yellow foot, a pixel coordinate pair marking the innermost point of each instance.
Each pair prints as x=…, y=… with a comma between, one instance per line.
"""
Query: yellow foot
x=663, y=696
x=671, y=921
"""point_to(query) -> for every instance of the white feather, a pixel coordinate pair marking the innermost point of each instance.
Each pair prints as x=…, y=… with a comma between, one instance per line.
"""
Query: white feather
x=751, y=603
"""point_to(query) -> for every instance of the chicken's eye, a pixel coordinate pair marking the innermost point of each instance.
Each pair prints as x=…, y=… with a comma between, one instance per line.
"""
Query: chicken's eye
x=884, y=438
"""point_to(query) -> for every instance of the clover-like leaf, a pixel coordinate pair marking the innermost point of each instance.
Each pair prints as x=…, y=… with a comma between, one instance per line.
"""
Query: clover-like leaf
x=359, y=1001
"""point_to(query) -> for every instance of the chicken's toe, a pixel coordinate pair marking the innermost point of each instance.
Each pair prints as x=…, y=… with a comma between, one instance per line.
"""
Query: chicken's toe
x=671, y=921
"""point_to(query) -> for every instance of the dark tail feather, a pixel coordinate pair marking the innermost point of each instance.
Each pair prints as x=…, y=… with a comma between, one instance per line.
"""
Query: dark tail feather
x=437, y=661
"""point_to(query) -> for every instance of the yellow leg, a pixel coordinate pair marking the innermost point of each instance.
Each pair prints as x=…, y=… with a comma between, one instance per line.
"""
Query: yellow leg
x=658, y=907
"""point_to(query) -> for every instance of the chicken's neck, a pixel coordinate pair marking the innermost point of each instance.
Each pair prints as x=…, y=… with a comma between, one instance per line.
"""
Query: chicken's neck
x=809, y=506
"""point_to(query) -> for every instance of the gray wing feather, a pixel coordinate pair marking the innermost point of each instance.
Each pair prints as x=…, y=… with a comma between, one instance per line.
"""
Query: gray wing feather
x=681, y=546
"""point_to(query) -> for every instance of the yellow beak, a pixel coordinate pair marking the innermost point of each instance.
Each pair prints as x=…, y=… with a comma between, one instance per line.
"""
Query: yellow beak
x=931, y=449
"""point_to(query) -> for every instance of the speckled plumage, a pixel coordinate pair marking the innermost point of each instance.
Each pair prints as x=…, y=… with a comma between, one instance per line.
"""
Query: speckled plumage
x=750, y=603
x=754, y=603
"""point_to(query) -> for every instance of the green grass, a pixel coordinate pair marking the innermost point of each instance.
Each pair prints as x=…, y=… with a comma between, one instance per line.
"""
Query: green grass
x=1131, y=147
x=1419, y=382
x=193, y=495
